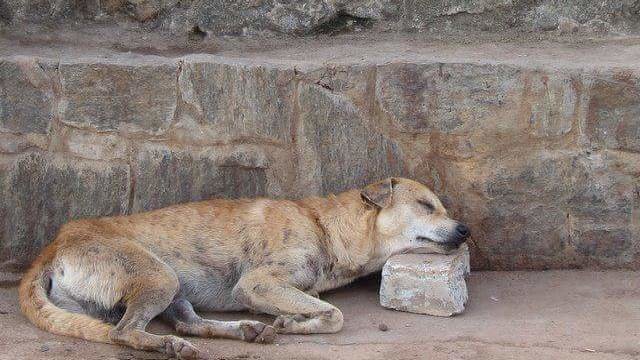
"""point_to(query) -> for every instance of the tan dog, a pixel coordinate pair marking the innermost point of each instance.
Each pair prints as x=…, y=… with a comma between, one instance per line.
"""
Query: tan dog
x=105, y=279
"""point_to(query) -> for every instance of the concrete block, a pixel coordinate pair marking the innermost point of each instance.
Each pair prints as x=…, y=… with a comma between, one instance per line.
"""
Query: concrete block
x=432, y=284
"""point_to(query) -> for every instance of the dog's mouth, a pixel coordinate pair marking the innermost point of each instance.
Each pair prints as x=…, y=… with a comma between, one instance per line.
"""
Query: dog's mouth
x=426, y=239
x=430, y=244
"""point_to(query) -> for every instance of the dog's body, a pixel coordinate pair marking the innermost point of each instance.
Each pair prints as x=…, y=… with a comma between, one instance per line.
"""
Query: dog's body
x=271, y=256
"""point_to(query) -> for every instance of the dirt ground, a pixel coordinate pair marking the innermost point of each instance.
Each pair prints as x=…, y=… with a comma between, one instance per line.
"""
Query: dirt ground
x=510, y=315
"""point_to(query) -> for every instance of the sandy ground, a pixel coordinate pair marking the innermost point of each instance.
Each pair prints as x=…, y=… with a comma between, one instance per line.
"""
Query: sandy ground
x=511, y=315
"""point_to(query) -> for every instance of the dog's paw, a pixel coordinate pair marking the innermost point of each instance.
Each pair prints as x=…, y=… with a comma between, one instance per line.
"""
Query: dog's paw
x=255, y=331
x=289, y=323
x=181, y=349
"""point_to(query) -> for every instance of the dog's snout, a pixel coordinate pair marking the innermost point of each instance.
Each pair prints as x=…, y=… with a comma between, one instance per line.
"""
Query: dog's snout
x=462, y=231
x=459, y=235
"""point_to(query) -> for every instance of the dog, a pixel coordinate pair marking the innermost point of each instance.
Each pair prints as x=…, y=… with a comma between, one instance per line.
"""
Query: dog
x=104, y=279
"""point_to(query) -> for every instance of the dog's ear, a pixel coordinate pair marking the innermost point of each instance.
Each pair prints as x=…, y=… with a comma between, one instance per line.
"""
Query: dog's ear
x=380, y=193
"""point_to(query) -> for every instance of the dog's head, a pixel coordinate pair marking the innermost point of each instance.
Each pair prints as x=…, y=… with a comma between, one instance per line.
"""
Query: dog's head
x=411, y=218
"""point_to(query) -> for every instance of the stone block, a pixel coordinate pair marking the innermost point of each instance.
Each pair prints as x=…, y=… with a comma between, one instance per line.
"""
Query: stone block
x=417, y=14
x=26, y=96
x=300, y=16
x=96, y=146
x=613, y=112
x=240, y=101
x=520, y=196
x=550, y=101
x=604, y=209
x=451, y=98
x=346, y=151
x=17, y=143
x=170, y=175
x=119, y=97
x=432, y=284
x=39, y=192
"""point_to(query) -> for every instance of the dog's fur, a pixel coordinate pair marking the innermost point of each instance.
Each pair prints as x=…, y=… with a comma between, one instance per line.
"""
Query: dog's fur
x=105, y=279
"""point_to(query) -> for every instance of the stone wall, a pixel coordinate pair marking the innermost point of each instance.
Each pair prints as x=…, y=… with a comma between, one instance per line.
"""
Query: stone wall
x=249, y=17
x=542, y=163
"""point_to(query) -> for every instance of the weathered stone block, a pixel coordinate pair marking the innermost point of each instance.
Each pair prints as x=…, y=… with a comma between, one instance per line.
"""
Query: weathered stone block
x=451, y=98
x=420, y=13
x=17, y=143
x=548, y=209
x=26, y=96
x=343, y=150
x=369, y=9
x=144, y=10
x=298, y=16
x=551, y=102
x=355, y=81
x=119, y=97
x=240, y=101
x=605, y=187
x=96, y=146
x=475, y=105
x=250, y=16
x=614, y=110
x=166, y=176
x=226, y=17
x=36, y=10
x=524, y=197
x=39, y=192
x=432, y=284
x=604, y=209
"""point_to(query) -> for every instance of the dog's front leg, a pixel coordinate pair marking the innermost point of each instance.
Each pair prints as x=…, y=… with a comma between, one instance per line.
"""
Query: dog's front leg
x=296, y=311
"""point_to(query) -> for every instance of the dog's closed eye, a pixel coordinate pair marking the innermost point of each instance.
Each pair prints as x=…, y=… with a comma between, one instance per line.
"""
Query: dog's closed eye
x=427, y=205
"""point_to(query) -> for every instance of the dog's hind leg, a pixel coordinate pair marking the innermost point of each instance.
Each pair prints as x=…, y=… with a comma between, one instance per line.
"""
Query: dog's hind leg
x=297, y=312
x=107, y=272
x=183, y=318
x=152, y=287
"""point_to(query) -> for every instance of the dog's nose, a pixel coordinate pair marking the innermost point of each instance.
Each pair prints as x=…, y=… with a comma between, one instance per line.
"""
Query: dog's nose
x=462, y=231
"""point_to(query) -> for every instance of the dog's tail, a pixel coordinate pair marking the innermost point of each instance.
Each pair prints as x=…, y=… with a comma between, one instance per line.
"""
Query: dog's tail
x=37, y=307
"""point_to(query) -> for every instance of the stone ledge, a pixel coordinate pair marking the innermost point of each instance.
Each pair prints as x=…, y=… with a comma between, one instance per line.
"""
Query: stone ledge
x=431, y=284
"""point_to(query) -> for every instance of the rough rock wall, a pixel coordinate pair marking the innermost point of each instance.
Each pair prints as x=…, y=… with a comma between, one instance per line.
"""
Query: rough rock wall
x=542, y=164
x=312, y=16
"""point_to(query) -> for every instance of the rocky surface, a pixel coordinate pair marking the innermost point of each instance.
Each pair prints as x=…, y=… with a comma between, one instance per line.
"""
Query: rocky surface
x=535, y=146
x=250, y=17
x=432, y=284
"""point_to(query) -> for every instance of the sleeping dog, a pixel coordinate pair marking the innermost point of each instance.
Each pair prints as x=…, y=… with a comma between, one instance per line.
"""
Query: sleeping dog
x=104, y=279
